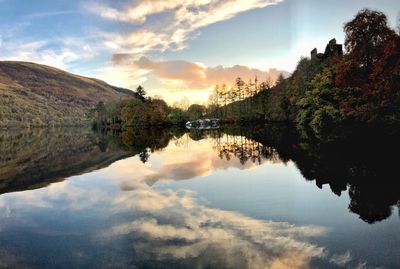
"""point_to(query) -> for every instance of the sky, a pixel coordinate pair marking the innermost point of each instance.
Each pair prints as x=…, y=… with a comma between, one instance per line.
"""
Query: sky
x=174, y=48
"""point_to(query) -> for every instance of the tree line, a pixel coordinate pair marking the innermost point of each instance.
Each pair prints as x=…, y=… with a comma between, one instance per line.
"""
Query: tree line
x=359, y=86
x=142, y=111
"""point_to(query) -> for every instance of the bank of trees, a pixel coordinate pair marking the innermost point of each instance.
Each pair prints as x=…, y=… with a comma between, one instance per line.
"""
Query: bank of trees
x=361, y=86
x=142, y=111
x=245, y=100
x=137, y=111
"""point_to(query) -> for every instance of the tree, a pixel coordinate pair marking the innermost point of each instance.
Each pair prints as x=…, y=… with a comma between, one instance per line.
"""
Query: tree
x=141, y=92
x=216, y=99
x=319, y=108
x=195, y=111
x=100, y=107
x=280, y=79
x=177, y=116
x=366, y=35
x=240, y=91
x=225, y=96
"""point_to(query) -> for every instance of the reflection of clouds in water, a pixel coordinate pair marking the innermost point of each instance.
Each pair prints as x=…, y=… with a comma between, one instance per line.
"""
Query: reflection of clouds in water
x=65, y=194
x=172, y=226
x=341, y=260
x=178, y=161
x=15, y=208
x=194, y=165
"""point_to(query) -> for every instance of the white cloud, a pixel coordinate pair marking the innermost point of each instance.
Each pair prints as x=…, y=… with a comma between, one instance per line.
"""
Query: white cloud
x=185, y=17
x=49, y=14
x=61, y=52
x=39, y=52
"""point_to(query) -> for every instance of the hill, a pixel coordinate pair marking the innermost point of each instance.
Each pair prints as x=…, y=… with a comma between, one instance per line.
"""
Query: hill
x=39, y=95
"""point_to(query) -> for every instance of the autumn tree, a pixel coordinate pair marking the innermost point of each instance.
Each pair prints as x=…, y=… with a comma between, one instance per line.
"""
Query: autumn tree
x=366, y=36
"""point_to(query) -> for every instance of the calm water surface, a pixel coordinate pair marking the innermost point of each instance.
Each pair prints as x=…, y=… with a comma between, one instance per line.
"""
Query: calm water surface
x=172, y=199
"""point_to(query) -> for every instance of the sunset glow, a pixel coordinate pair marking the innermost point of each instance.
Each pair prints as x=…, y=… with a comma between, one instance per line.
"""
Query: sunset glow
x=173, y=48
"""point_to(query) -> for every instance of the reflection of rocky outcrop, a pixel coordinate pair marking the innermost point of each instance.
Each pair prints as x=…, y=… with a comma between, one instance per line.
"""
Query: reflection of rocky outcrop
x=34, y=159
x=363, y=162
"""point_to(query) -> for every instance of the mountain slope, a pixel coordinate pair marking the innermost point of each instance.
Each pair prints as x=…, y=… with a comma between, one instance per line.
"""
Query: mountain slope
x=33, y=94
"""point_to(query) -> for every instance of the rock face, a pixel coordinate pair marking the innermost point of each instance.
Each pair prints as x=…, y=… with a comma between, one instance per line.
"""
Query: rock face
x=36, y=95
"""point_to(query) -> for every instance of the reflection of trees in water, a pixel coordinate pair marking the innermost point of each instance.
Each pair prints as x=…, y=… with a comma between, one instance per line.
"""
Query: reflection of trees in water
x=363, y=163
x=237, y=145
x=244, y=149
x=138, y=141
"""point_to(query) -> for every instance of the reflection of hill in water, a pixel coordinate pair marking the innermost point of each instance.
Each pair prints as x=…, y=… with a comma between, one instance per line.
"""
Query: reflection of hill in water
x=36, y=158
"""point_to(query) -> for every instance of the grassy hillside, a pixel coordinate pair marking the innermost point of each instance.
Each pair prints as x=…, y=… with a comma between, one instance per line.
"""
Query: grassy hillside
x=38, y=95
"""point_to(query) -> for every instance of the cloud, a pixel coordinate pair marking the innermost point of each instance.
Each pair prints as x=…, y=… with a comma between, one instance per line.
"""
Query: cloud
x=136, y=14
x=123, y=76
x=60, y=52
x=38, y=51
x=182, y=20
x=49, y=14
x=184, y=10
x=178, y=75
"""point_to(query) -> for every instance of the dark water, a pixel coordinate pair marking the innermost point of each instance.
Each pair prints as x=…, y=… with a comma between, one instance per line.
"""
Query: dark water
x=259, y=197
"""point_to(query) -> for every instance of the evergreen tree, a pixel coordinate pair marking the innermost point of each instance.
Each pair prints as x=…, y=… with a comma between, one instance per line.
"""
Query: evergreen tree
x=141, y=92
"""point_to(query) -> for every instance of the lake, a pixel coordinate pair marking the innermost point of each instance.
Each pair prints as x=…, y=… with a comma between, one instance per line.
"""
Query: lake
x=255, y=197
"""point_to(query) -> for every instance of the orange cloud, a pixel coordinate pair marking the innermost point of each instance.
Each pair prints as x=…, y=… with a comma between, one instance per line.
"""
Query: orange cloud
x=196, y=76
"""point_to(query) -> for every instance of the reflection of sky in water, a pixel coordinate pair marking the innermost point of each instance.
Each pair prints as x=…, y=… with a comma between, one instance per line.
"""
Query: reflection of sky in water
x=187, y=208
